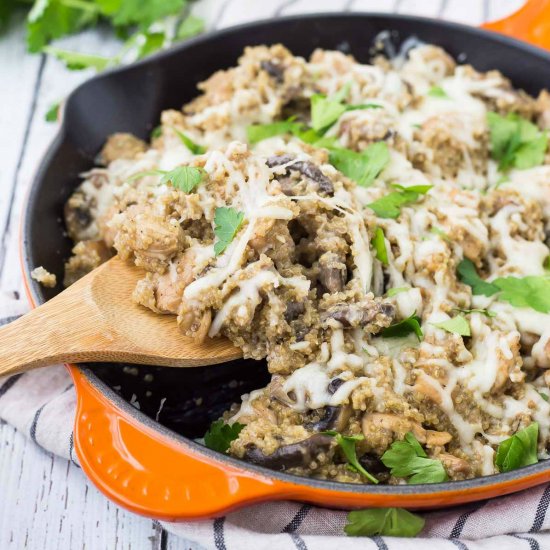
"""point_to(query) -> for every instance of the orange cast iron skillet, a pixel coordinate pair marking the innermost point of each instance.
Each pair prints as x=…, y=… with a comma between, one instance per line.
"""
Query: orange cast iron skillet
x=137, y=462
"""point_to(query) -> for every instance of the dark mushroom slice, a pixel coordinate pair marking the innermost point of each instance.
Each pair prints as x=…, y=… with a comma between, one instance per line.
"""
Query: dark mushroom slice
x=295, y=455
x=333, y=272
x=334, y=384
x=294, y=310
x=373, y=313
x=273, y=69
x=78, y=216
x=334, y=418
x=306, y=168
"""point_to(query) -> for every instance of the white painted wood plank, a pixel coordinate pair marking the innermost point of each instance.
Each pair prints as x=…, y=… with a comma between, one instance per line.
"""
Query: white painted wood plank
x=241, y=11
x=501, y=8
x=47, y=503
x=382, y=6
x=471, y=12
x=307, y=6
x=426, y=8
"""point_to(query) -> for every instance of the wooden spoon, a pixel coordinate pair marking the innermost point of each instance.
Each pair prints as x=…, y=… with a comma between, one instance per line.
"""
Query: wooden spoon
x=96, y=320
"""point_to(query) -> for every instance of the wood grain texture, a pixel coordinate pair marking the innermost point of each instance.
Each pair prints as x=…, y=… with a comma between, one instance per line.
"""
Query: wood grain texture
x=45, y=502
x=95, y=320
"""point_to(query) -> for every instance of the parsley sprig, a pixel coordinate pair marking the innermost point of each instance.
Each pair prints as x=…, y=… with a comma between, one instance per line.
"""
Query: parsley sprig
x=390, y=522
x=379, y=245
x=518, y=450
x=363, y=167
x=531, y=291
x=220, y=435
x=408, y=459
x=184, y=178
x=228, y=222
x=389, y=206
x=457, y=325
x=516, y=142
x=347, y=444
x=404, y=328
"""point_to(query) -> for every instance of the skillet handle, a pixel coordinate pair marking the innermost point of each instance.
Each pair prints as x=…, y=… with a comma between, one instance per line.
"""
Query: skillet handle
x=531, y=23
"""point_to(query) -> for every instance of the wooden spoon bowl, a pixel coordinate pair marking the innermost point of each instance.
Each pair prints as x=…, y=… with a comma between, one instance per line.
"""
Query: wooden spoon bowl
x=96, y=320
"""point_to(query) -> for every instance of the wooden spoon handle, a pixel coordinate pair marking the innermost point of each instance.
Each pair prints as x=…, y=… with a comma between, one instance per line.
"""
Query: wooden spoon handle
x=96, y=320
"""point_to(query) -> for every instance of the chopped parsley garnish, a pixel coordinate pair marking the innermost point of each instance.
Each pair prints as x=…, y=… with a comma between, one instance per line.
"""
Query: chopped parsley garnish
x=518, y=450
x=156, y=132
x=438, y=91
x=184, y=178
x=390, y=522
x=393, y=291
x=467, y=273
x=76, y=61
x=379, y=245
x=545, y=396
x=195, y=148
x=389, y=206
x=259, y=132
x=347, y=444
x=516, y=142
x=228, y=222
x=532, y=291
x=456, y=325
x=403, y=328
x=220, y=435
x=53, y=112
x=485, y=312
x=363, y=167
x=440, y=233
x=408, y=459
x=189, y=27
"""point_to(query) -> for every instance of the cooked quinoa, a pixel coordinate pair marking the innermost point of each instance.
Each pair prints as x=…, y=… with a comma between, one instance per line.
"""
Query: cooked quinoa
x=44, y=277
x=290, y=247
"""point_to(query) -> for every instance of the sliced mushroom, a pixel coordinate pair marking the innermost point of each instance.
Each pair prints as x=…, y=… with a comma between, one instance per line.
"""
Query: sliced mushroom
x=334, y=418
x=294, y=310
x=295, y=455
x=332, y=272
x=375, y=466
x=454, y=464
x=277, y=392
x=306, y=168
x=334, y=384
x=273, y=69
x=437, y=439
x=360, y=314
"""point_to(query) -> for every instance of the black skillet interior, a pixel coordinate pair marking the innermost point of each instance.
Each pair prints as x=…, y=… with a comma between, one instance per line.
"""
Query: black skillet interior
x=132, y=99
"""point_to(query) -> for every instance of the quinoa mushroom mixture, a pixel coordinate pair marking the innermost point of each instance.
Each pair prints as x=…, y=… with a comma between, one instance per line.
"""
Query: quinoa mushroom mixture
x=377, y=232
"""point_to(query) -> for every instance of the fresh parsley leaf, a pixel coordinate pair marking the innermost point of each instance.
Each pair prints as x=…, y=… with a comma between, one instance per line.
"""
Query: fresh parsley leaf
x=228, y=221
x=403, y=328
x=195, y=148
x=518, y=450
x=220, y=435
x=440, y=233
x=363, y=167
x=456, y=325
x=389, y=206
x=530, y=291
x=438, y=91
x=156, y=132
x=190, y=26
x=325, y=112
x=485, y=312
x=7, y=8
x=52, y=19
x=150, y=42
x=347, y=444
x=143, y=14
x=259, y=132
x=184, y=178
x=52, y=113
x=408, y=459
x=393, y=291
x=545, y=396
x=308, y=135
x=516, y=142
x=467, y=273
x=76, y=61
x=379, y=245
x=391, y=522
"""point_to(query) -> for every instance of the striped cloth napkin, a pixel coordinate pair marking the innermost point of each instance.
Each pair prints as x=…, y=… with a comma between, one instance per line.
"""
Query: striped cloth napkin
x=41, y=404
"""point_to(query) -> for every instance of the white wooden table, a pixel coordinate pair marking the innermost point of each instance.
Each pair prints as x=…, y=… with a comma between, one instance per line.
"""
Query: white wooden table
x=45, y=502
